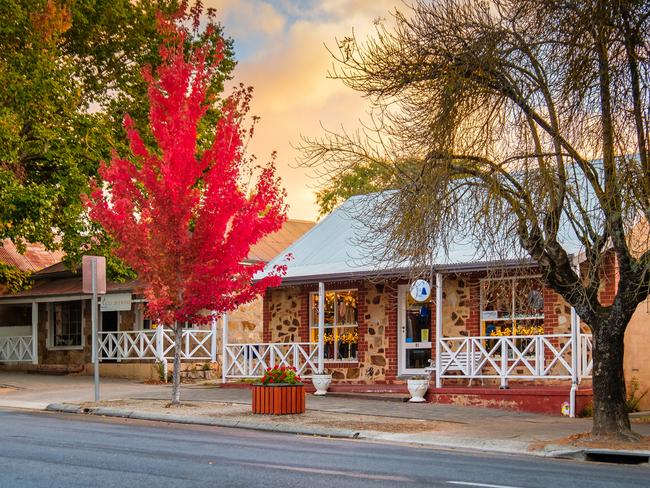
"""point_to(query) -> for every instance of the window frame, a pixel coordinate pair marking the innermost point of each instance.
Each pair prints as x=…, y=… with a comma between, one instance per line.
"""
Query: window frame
x=514, y=318
x=52, y=324
x=313, y=323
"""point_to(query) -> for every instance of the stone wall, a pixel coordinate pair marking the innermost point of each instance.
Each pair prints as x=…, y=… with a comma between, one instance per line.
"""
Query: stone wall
x=70, y=357
x=127, y=320
x=375, y=360
x=637, y=353
x=456, y=306
x=284, y=306
x=244, y=324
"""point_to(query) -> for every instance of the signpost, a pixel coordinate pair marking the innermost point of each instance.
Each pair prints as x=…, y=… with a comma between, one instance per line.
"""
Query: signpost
x=94, y=282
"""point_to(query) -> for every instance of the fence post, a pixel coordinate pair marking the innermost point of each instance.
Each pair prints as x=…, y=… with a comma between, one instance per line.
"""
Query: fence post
x=213, y=338
x=539, y=355
x=504, y=363
x=470, y=359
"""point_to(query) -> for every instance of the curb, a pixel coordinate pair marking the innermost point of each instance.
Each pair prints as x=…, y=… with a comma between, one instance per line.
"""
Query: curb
x=280, y=428
x=551, y=451
x=64, y=408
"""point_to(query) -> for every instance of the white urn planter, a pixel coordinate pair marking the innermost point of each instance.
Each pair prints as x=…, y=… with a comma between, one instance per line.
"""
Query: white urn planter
x=321, y=382
x=417, y=389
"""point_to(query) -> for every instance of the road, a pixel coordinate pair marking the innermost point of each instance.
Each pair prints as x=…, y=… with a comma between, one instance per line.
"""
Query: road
x=40, y=449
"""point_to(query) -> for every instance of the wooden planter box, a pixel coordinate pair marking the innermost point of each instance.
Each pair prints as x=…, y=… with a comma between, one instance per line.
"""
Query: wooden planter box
x=278, y=399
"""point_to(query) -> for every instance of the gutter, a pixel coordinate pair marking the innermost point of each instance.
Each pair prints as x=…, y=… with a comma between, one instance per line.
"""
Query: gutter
x=404, y=272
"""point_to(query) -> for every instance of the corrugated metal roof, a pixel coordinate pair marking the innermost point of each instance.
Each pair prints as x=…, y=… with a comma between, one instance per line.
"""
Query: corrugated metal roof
x=57, y=280
x=331, y=250
x=68, y=286
x=35, y=258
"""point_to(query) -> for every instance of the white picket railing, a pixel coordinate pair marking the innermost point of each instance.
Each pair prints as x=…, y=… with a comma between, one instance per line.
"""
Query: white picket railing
x=512, y=357
x=586, y=356
x=251, y=360
x=16, y=349
x=155, y=344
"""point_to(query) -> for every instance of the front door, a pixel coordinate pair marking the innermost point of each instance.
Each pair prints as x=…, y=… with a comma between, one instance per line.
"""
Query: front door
x=414, y=332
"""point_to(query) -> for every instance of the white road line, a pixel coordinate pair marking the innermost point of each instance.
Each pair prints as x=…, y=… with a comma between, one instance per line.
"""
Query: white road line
x=482, y=485
x=378, y=477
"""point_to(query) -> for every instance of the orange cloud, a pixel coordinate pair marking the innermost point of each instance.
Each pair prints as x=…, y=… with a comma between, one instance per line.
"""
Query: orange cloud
x=287, y=62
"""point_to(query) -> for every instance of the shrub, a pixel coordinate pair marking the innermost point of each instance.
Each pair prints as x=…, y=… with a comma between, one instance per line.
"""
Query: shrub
x=634, y=396
x=278, y=375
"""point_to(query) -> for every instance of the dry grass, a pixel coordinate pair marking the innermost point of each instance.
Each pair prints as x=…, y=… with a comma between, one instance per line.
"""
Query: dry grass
x=312, y=418
x=584, y=440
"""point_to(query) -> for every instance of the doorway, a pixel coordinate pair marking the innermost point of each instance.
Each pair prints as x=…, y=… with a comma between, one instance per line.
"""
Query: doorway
x=109, y=322
x=414, y=321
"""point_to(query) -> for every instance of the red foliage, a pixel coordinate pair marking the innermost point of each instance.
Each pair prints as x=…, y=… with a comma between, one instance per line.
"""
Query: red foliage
x=185, y=221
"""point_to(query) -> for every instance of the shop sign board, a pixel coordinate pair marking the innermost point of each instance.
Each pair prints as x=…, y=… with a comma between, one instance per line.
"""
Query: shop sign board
x=116, y=302
x=420, y=290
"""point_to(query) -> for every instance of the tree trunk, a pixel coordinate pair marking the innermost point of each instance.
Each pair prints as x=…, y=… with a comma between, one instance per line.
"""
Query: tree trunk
x=610, y=412
x=176, y=376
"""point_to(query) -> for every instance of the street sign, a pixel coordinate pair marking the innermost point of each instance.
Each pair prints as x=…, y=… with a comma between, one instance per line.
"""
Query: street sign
x=420, y=290
x=100, y=270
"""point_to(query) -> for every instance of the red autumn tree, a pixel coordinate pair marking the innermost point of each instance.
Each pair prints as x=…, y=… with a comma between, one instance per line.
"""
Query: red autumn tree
x=185, y=218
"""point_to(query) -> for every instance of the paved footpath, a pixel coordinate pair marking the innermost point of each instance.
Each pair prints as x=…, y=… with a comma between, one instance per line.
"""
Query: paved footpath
x=424, y=424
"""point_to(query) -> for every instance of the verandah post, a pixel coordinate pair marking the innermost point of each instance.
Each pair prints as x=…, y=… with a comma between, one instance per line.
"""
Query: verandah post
x=576, y=347
x=224, y=347
x=321, y=327
x=575, y=351
x=34, y=333
x=438, y=327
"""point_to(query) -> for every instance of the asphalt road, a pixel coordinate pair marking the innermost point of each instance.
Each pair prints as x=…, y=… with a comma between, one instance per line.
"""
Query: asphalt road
x=52, y=450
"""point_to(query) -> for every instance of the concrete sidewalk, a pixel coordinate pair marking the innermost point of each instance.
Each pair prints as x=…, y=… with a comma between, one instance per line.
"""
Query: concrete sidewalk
x=434, y=425
x=37, y=391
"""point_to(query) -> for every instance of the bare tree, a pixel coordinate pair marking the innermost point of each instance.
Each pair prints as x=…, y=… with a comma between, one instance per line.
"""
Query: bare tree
x=529, y=119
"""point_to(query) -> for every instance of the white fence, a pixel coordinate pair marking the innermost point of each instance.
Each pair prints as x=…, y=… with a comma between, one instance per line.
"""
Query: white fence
x=586, y=356
x=156, y=344
x=16, y=349
x=514, y=357
x=250, y=360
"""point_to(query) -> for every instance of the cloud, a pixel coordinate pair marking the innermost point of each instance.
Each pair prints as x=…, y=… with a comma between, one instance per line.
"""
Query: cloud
x=281, y=51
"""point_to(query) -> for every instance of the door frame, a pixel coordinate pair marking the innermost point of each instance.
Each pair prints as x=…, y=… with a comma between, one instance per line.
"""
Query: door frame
x=402, y=345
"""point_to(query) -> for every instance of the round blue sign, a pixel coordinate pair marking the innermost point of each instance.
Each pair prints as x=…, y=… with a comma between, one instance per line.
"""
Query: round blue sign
x=420, y=290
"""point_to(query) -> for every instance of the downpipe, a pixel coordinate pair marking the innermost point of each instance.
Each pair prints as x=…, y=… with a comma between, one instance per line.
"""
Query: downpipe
x=572, y=400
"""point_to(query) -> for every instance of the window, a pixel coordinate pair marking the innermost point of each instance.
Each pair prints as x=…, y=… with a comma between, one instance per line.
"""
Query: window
x=341, y=324
x=67, y=324
x=512, y=307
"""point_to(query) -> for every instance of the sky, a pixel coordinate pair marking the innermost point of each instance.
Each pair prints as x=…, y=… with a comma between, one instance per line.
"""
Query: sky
x=280, y=47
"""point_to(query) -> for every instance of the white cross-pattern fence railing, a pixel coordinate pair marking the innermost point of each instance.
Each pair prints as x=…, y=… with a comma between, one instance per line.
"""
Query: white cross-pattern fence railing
x=586, y=356
x=514, y=357
x=16, y=349
x=251, y=360
x=157, y=344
